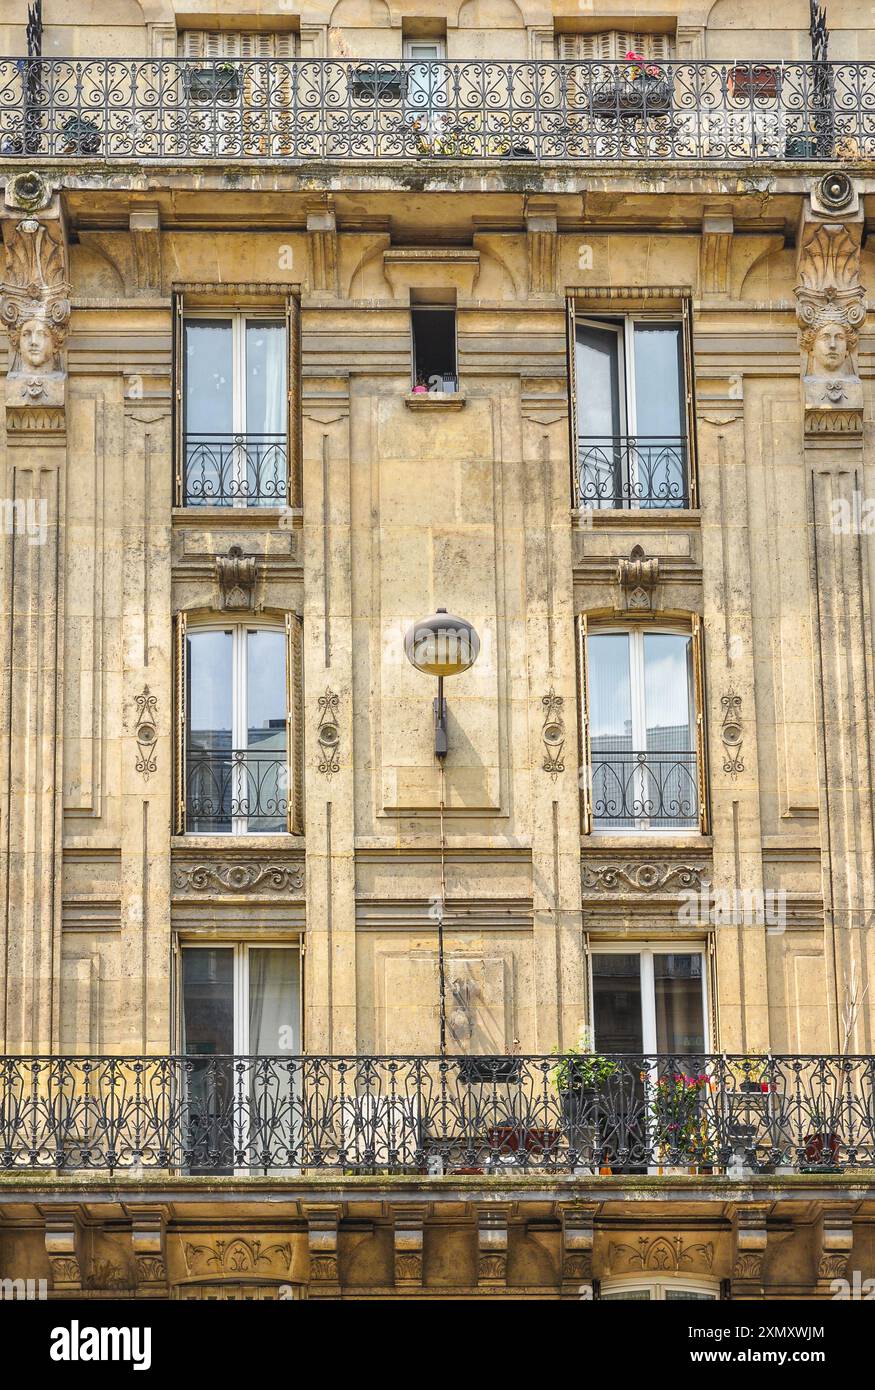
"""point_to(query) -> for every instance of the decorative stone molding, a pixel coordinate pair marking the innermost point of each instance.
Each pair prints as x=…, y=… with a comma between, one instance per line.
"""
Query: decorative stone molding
x=322, y=1224
x=27, y=192
x=660, y=1254
x=492, y=1247
x=641, y=878
x=146, y=732
x=831, y=310
x=426, y=267
x=553, y=734
x=732, y=733
x=749, y=1239
x=237, y=575
x=409, y=1222
x=636, y=580
x=239, y=1255
x=322, y=240
x=145, y=229
x=250, y=877
x=35, y=310
x=328, y=734
x=578, y=1234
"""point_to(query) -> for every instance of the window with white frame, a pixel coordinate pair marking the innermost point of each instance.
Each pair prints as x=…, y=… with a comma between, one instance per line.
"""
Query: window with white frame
x=236, y=754
x=663, y=1290
x=631, y=411
x=649, y=999
x=240, y=1001
x=235, y=410
x=642, y=713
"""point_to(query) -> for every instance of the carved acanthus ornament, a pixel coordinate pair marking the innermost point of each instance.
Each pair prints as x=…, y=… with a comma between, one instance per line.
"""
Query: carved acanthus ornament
x=35, y=310
x=237, y=575
x=641, y=878
x=636, y=580
x=831, y=309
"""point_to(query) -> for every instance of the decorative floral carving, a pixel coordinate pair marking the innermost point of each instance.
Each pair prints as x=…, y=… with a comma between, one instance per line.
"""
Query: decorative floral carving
x=748, y=1265
x=732, y=733
x=492, y=1268
x=831, y=310
x=328, y=733
x=833, y=1265
x=661, y=1254
x=238, y=578
x=151, y=1269
x=640, y=878
x=323, y=1269
x=237, y=1256
x=637, y=578
x=408, y=1267
x=146, y=732
x=553, y=733
x=239, y=878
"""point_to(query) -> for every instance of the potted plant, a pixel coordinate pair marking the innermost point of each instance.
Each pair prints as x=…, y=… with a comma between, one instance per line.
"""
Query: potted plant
x=581, y=1076
x=679, y=1121
x=641, y=90
x=377, y=82
x=753, y=81
x=803, y=146
x=216, y=82
x=81, y=136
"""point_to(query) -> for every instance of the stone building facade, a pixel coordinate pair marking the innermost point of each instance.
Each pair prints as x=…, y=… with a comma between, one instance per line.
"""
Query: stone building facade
x=638, y=461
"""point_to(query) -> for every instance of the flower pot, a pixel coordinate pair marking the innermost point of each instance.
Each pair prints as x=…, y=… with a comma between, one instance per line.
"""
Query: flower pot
x=510, y=1139
x=370, y=82
x=211, y=84
x=800, y=147
x=753, y=81
x=81, y=136
x=518, y=151
x=640, y=96
x=821, y=1151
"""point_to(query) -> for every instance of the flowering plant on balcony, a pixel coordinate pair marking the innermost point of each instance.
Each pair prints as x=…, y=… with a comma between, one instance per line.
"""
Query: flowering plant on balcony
x=676, y=1108
x=640, y=67
x=580, y=1068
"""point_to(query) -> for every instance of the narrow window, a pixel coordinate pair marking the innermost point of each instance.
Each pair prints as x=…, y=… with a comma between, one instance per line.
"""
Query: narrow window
x=434, y=348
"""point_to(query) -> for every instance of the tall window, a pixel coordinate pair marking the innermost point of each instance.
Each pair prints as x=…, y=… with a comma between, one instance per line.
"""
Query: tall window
x=631, y=412
x=434, y=348
x=649, y=1000
x=236, y=736
x=235, y=398
x=240, y=1001
x=641, y=724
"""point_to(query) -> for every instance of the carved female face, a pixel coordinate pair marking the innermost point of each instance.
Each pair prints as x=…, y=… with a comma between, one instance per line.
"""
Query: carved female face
x=830, y=349
x=35, y=345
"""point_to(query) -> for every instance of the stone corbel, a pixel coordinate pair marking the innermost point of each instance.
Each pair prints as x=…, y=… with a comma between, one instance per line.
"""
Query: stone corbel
x=322, y=242
x=836, y=1243
x=237, y=576
x=409, y=1228
x=145, y=229
x=543, y=247
x=148, y=1234
x=492, y=1247
x=322, y=1232
x=831, y=308
x=35, y=306
x=63, y=1236
x=749, y=1241
x=578, y=1235
x=637, y=578
x=715, y=248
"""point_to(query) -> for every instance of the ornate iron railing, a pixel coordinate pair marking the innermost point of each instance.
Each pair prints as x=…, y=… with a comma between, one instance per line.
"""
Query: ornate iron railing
x=632, y=471
x=500, y=1115
x=226, y=470
x=657, y=786
x=172, y=109
x=236, y=788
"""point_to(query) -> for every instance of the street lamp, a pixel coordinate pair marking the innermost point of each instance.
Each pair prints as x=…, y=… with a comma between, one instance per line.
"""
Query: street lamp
x=442, y=645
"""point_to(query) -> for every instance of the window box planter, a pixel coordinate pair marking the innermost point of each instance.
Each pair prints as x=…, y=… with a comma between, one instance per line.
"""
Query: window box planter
x=486, y=1070
x=639, y=96
x=512, y=1139
x=753, y=81
x=211, y=84
x=81, y=136
x=370, y=82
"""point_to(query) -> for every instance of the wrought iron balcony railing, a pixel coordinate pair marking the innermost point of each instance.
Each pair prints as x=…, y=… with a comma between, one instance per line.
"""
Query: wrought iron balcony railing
x=654, y=787
x=499, y=1115
x=632, y=471
x=237, y=789
x=181, y=109
x=228, y=470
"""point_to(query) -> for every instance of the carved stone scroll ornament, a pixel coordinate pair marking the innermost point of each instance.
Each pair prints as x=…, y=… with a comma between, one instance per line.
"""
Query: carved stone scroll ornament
x=641, y=878
x=328, y=734
x=35, y=310
x=237, y=575
x=254, y=877
x=732, y=734
x=831, y=310
x=553, y=734
x=637, y=579
x=146, y=732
